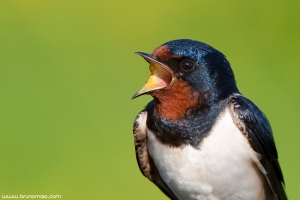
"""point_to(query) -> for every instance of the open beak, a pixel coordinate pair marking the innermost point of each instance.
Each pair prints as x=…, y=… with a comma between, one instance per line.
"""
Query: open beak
x=161, y=75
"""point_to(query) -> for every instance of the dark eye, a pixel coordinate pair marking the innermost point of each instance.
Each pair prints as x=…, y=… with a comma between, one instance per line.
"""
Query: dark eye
x=187, y=65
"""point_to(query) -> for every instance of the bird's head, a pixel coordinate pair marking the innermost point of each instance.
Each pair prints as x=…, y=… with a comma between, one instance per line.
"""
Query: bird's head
x=187, y=73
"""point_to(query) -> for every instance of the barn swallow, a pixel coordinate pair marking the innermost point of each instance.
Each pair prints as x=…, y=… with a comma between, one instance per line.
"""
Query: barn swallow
x=200, y=138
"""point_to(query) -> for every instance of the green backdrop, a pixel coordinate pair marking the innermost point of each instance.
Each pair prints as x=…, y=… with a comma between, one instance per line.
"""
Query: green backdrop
x=68, y=72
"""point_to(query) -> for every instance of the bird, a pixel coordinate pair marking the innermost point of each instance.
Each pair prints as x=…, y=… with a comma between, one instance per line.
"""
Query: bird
x=199, y=137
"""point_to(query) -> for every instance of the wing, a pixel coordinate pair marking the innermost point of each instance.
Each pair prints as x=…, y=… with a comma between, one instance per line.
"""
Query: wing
x=145, y=162
x=255, y=126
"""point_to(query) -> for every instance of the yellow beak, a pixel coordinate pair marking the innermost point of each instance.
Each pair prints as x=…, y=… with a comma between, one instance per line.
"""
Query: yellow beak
x=161, y=75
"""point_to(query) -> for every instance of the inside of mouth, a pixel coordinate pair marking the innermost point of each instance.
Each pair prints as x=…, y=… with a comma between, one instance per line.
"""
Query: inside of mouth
x=161, y=76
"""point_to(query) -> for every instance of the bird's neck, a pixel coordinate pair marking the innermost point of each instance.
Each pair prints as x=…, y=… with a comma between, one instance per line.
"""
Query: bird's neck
x=189, y=129
x=176, y=101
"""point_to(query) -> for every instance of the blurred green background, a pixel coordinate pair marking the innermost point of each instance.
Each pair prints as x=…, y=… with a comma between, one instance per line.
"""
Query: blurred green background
x=67, y=74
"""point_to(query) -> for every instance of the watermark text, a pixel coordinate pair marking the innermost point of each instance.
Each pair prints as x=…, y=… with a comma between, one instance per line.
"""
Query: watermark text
x=30, y=196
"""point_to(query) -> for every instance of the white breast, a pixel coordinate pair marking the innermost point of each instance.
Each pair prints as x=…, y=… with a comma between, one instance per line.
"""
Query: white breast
x=223, y=168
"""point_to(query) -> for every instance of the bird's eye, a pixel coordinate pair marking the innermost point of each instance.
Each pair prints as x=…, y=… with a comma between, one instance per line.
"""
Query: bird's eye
x=187, y=65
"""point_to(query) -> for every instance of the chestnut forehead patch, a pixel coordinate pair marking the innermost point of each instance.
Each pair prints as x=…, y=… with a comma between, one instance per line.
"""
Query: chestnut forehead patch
x=163, y=53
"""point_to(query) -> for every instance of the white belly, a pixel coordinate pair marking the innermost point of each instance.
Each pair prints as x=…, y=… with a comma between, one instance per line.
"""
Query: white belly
x=223, y=168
